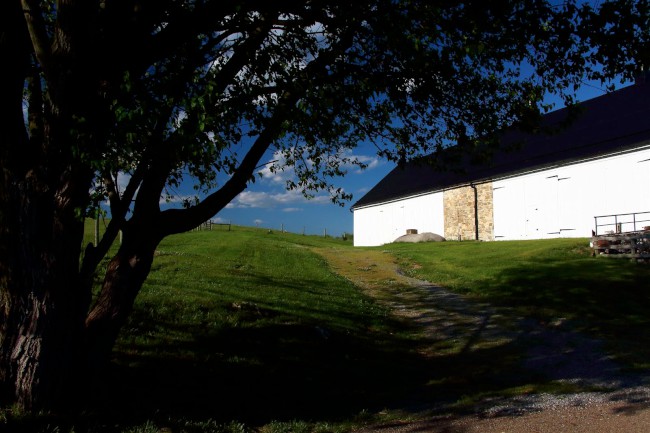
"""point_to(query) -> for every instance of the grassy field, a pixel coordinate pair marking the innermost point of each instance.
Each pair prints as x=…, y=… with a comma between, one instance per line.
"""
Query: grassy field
x=253, y=326
x=548, y=280
x=247, y=330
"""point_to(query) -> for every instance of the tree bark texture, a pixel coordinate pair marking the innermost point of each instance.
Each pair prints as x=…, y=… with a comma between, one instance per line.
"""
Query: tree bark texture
x=43, y=191
x=41, y=319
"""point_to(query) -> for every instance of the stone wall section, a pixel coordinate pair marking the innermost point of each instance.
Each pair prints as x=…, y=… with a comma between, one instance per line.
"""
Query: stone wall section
x=459, y=213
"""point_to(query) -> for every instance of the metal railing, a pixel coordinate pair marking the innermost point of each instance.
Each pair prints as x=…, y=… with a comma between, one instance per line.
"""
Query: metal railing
x=622, y=223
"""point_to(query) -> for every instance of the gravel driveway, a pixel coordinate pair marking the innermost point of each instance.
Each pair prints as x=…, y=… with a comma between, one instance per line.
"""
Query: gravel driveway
x=555, y=351
x=610, y=417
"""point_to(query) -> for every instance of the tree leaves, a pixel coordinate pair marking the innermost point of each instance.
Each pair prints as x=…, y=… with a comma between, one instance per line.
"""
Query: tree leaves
x=161, y=92
x=187, y=89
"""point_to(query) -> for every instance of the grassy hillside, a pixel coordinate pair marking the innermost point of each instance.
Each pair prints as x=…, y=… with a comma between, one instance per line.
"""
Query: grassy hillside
x=247, y=325
x=248, y=330
x=548, y=280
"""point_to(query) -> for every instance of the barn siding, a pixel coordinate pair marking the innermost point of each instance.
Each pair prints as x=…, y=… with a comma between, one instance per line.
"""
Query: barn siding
x=562, y=201
x=553, y=185
x=557, y=202
x=382, y=224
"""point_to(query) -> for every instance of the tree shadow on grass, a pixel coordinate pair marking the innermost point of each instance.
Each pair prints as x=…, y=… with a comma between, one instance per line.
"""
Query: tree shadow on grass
x=282, y=372
x=261, y=374
x=275, y=367
x=278, y=366
x=322, y=353
x=609, y=301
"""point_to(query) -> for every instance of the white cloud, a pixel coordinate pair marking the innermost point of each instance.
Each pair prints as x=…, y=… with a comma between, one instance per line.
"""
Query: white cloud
x=176, y=199
x=371, y=161
x=292, y=209
x=123, y=180
x=281, y=172
x=280, y=176
x=259, y=199
x=258, y=222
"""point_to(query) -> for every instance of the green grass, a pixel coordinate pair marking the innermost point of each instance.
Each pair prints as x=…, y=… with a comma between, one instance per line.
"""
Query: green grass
x=251, y=326
x=245, y=330
x=546, y=279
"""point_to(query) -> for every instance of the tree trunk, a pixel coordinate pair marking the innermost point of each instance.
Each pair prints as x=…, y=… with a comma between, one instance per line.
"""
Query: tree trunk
x=124, y=277
x=48, y=345
x=42, y=353
x=43, y=304
x=45, y=176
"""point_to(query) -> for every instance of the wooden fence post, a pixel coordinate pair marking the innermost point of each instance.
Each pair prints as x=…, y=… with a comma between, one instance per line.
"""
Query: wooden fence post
x=97, y=227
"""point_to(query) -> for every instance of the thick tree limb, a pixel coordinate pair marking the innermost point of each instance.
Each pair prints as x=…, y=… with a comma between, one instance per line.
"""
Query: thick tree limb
x=38, y=34
x=181, y=220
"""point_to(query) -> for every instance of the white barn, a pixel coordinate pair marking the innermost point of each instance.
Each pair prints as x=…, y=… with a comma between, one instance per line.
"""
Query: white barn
x=553, y=186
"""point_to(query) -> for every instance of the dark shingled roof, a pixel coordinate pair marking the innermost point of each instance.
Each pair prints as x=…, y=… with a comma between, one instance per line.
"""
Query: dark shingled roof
x=612, y=123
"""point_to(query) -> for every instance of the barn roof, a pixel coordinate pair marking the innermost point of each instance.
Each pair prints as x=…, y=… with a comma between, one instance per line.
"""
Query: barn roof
x=612, y=123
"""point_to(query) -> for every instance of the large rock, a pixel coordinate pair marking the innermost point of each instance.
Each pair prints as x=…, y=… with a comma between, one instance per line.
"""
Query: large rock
x=420, y=237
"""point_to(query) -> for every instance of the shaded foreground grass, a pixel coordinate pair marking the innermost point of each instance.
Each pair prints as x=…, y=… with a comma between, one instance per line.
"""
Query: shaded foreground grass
x=547, y=280
x=245, y=330
x=260, y=331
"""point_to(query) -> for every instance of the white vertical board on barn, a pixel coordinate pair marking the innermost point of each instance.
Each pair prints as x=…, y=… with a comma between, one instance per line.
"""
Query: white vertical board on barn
x=383, y=223
x=508, y=209
x=563, y=201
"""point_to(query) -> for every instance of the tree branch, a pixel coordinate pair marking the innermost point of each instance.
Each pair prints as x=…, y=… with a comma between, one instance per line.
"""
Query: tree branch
x=38, y=35
x=243, y=54
x=111, y=190
x=181, y=220
x=119, y=207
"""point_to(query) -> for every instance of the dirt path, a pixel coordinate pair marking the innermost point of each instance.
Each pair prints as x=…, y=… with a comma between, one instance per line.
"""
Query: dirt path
x=594, y=418
x=551, y=352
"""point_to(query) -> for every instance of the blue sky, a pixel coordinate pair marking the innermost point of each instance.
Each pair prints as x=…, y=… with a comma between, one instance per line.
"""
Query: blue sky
x=267, y=204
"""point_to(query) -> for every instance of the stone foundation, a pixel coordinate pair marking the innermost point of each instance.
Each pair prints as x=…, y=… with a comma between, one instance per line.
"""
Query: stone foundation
x=459, y=208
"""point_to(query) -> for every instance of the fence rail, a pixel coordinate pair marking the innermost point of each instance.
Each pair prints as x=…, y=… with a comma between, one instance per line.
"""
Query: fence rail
x=622, y=223
x=208, y=225
x=211, y=225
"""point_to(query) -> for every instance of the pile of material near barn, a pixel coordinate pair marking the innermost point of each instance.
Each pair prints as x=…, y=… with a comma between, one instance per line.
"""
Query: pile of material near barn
x=634, y=245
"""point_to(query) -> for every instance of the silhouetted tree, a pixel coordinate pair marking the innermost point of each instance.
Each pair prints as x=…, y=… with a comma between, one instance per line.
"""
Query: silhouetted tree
x=120, y=99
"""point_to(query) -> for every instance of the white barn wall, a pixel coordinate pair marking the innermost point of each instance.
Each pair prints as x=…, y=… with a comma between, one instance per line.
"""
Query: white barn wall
x=382, y=224
x=562, y=202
